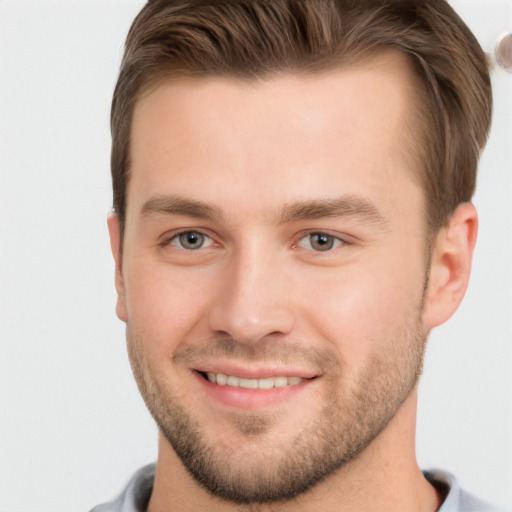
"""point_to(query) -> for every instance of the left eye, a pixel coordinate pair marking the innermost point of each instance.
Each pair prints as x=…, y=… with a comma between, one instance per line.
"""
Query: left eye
x=321, y=242
x=191, y=240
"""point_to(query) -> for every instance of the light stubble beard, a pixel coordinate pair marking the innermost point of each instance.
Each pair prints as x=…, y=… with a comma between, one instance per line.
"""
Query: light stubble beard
x=351, y=417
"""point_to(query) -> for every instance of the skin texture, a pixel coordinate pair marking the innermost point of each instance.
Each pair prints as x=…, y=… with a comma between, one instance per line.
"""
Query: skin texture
x=310, y=259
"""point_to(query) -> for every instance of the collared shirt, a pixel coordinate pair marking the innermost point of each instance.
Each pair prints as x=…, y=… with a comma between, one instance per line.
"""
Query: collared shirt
x=135, y=497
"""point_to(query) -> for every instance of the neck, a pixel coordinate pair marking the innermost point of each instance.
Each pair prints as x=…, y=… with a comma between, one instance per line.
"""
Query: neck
x=384, y=477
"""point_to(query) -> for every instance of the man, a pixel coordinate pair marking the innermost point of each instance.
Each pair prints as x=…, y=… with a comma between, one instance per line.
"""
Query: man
x=292, y=184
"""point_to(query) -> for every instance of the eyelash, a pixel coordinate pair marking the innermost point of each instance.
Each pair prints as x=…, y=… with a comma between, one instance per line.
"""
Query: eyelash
x=176, y=238
x=333, y=242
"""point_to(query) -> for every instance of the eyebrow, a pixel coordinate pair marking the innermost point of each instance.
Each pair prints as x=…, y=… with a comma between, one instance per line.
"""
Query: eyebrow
x=349, y=206
x=174, y=205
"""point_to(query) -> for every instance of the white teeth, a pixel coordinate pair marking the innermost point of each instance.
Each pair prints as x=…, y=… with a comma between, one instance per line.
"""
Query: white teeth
x=280, y=382
x=220, y=379
x=267, y=383
x=249, y=383
x=233, y=381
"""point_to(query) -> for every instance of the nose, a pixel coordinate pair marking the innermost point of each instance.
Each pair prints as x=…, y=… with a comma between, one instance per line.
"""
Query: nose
x=253, y=300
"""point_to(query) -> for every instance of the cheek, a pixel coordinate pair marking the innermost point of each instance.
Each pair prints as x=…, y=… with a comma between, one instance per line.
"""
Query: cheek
x=165, y=304
x=361, y=311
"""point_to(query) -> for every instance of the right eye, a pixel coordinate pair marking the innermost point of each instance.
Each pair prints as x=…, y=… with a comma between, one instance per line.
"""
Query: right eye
x=190, y=240
x=321, y=242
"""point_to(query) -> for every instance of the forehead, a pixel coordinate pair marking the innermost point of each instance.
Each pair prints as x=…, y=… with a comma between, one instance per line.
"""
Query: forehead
x=290, y=137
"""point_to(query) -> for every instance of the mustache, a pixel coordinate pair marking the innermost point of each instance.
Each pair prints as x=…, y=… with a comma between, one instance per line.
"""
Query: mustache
x=265, y=351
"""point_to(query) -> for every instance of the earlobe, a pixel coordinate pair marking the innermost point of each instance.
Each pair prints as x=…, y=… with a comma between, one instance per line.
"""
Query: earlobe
x=114, y=230
x=450, y=265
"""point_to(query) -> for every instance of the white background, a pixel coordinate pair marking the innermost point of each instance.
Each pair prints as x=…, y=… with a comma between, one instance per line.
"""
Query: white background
x=72, y=425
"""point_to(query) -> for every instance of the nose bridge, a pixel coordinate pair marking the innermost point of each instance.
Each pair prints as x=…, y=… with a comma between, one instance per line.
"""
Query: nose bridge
x=252, y=301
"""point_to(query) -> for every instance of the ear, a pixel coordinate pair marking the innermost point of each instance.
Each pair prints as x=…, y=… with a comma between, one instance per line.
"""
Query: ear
x=450, y=265
x=114, y=231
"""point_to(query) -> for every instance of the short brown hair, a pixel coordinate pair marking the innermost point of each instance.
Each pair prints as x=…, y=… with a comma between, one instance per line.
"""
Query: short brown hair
x=257, y=39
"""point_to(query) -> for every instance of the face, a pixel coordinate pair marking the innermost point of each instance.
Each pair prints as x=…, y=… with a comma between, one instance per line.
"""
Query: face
x=273, y=272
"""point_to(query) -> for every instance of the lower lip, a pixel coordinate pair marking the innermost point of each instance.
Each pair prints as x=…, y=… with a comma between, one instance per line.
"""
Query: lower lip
x=247, y=399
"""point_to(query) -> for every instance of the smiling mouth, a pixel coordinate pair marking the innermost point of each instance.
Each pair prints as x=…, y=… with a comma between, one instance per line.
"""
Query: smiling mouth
x=238, y=382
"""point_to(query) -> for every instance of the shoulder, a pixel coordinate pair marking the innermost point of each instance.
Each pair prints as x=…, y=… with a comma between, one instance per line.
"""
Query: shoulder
x=457, y=499
x=470, y=503
x=136, y=494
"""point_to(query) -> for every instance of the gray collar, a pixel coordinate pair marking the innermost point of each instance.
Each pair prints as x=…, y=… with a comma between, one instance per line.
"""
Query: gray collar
x=135, y=497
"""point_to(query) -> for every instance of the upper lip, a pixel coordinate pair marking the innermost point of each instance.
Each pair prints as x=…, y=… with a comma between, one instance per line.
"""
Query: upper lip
x=254, y=371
